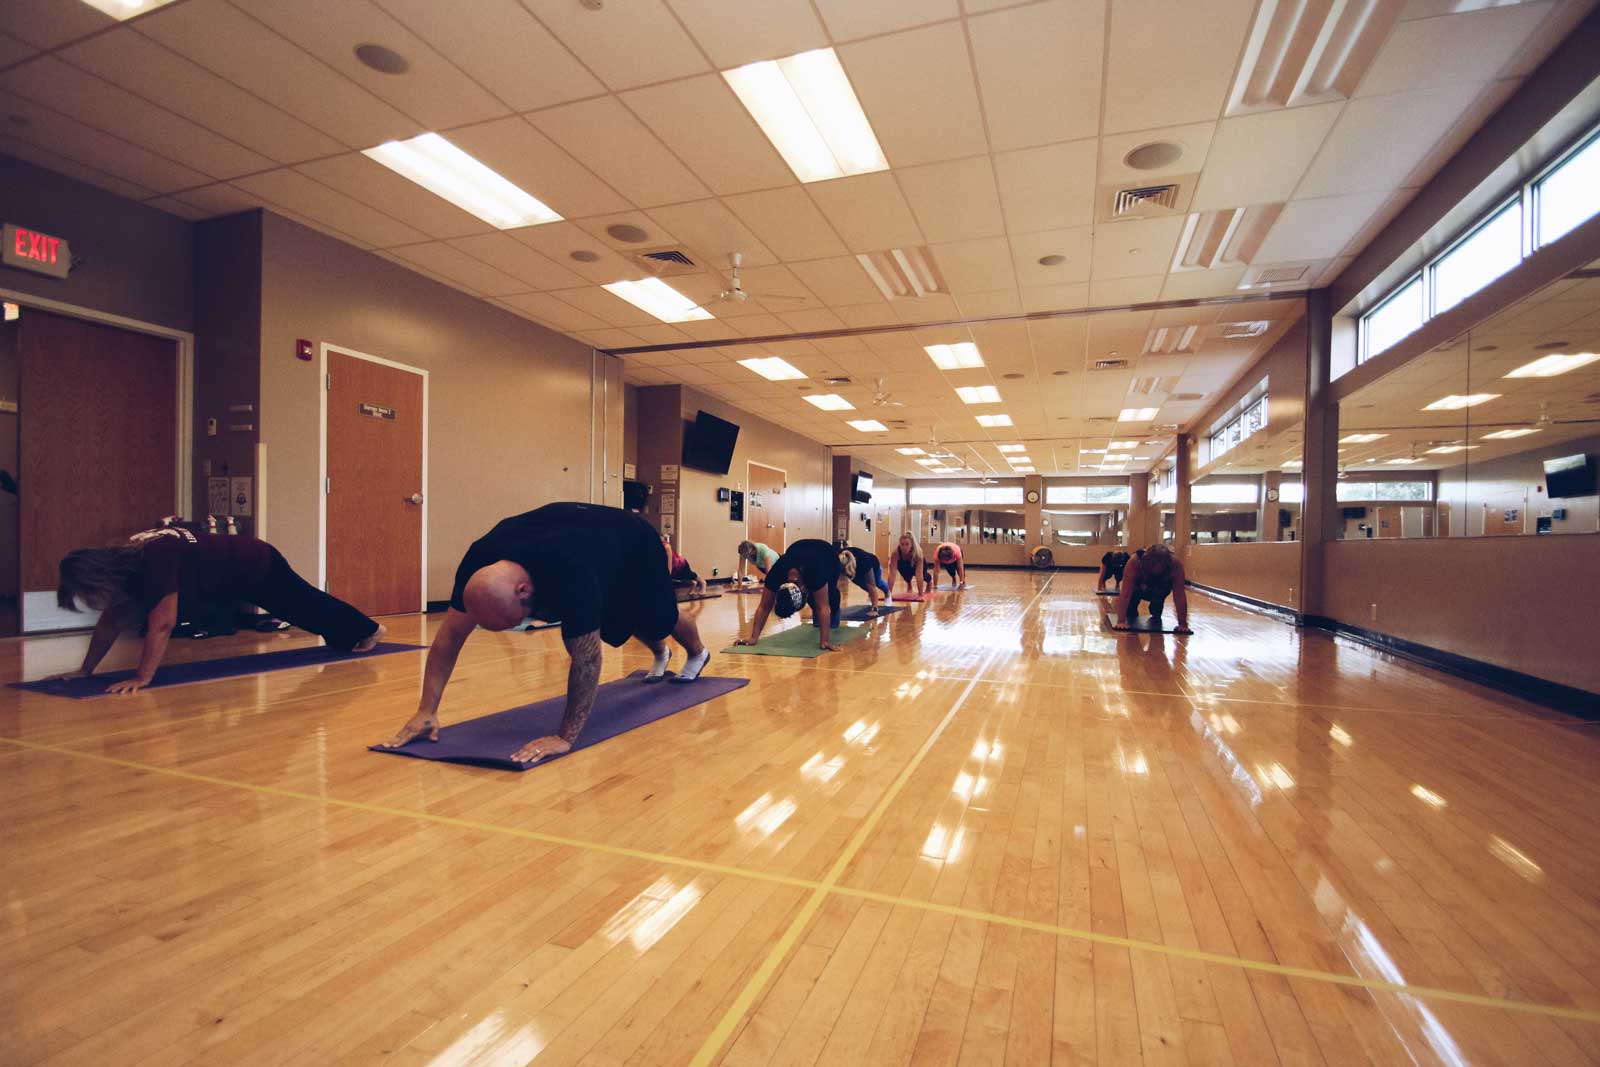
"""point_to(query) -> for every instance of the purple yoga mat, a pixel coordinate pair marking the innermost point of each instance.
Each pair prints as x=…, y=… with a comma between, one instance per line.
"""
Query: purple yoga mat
x=620, y=706
x=210, y=670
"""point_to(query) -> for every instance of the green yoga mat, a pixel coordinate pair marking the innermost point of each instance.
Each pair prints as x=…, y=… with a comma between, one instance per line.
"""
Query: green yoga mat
x=799, y=642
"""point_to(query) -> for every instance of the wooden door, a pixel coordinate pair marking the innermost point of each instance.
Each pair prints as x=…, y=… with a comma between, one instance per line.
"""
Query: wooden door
x=764, y=511
x=98, y=450
x=374, y=488
x=883, y=540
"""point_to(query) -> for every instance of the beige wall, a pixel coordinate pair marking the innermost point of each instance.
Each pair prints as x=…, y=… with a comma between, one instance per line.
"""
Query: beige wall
x=888, y=507
x=1479, y=597
x=1517, y=482
x=509, y=401
x=706, y=536
x=1268, y=571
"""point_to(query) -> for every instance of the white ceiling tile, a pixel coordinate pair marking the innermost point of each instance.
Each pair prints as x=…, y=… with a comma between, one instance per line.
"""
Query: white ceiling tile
x=502, y=46
x=13, y=50
x=935, y=307
x=1194, y=139
x=1468, y=47
x=558, y=240
x=979, y=266
x=656, y=235
x=382, y=189
x=1488, y=101
x=100, y=151
x=611, y=338
x=868, y=212
x=661, y=333
x=1192, y=285
x=1171, y=61
x=1238, y=173
x=1126, y=291
x=736, y=32
x=461, y=269
x=163, y=77
x=316, y=201
x=1039, y=69
x=849, y=19
x=73, y=169
x=1076, y=244
x=173, y=206
x=708, y=330
x=703, y=122
x=104, y=106
x=51, y=23
x=603, y=135
x=1378, y=140
x=434, y=91
x=557, y=312
x=612, y=309
x=1133, y=249
x=625, y=44
x=519, y=261
x=1318, y=229
x=859, y=315
x=983, y=305
x=838, y=280
x=220, y=199
x=527, y=158
x=235, y=46
x=787, y=222
x=954, y=201
x=713, y=232
x=814, y=319
x=919, y=94
x=1047, y=188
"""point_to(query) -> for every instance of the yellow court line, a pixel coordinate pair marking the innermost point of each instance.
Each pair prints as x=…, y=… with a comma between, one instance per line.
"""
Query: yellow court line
x=727, y=870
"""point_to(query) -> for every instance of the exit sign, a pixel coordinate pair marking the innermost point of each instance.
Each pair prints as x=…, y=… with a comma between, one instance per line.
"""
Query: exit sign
x=39, y=252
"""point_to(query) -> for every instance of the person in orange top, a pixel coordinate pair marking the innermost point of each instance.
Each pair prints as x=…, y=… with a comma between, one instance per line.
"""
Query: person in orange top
x=949, y=557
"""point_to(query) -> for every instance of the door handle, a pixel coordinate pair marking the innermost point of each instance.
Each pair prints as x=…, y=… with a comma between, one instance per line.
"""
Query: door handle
x=414, y=498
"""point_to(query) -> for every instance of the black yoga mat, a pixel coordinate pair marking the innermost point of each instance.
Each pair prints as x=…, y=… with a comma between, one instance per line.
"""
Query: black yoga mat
x=210, y=670
x=1142, y=624
x=858, y=613
x=619, y=706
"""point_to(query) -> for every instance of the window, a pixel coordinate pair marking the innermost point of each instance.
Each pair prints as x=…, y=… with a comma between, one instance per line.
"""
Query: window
x=1291, y=492
x=1251, y=421
x=1087, y=494
x=1394, y=319
x=1404, y=491
x=1569, y=194
x=1488, y=252
x=1225, y=493
x=958, y=495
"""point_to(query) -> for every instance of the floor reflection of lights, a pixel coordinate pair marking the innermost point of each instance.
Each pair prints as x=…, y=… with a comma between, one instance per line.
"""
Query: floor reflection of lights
x=943, y=844
x=1429, y=797
x=765, y=814
x=1230, y=762
x=1516, y=859
x=1339, y=734
x=818, y=769
x=861, y=732
x=1070, y=644
x=1132, y=763
x=496, y=1039
x=646, y=918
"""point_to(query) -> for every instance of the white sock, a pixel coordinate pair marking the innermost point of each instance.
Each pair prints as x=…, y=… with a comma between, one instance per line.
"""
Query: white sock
x=659, y=667
x=696, y=664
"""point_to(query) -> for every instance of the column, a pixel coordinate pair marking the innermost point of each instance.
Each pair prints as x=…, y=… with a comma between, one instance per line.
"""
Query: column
x=1182, y=521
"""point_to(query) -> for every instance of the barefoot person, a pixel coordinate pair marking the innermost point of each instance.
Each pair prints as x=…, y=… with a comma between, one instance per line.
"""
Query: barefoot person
x=949, y=557
x=1153, y=576
x=754, y=554
x=808, y=571
x=601, y=571
x=150, y=574
x=907, y=560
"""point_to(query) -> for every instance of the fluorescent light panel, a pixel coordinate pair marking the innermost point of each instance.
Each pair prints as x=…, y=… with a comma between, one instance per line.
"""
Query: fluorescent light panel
x=961, y=356
x=1023, y=470
x=126, y=9
x=830, y=402
x=1455, y=402
x=1401, y=460
x=446, y=171
x=655, y=297
x=1362, y=438
x=978, y=394
x=1118, y=446
x=807, y=109
x=1552, y=365
x=911, y=451
x=1013, y=448
x=773, y=369
x=1137, y=414
x=1506, y=435
x=994, y=420
x=868, y=425
x=1016, y=460
x=930, y=462
x=1445, y=450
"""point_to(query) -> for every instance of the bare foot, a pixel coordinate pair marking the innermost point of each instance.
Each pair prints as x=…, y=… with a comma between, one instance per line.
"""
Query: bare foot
x=367, y=644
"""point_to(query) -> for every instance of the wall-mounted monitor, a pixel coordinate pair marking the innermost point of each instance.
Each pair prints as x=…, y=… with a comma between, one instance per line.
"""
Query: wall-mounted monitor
x=708, y=444
x=861, y=487
x=1569, y=476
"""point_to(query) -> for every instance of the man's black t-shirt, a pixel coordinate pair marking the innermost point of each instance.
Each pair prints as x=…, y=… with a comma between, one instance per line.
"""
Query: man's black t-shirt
x=593, y=568
x=198, y=567
x=817, y=561
x=867, y=566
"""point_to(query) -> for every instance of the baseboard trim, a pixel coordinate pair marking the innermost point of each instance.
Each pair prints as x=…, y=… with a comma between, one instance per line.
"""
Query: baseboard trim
x=1250, y=603
x=1542, y=691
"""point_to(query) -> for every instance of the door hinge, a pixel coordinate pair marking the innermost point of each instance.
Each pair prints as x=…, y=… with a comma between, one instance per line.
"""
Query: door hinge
x=328, y=382
x=327, y=485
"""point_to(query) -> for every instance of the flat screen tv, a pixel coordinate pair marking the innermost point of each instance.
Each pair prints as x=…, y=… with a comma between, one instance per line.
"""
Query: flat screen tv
x=861, y=487
x=1568, y=476
x=708, y=444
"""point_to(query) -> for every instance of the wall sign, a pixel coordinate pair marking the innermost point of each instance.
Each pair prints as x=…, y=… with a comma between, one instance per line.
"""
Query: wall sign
x=669, y=503
x=243, y=496
x=39, y=252
x=217, y=496
x=669, y=472
x=375, y=411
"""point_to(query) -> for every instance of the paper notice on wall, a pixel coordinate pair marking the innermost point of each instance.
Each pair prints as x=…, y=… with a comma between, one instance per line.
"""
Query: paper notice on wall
x=241, y=496
x=669, y=504
x=669, y=472
x=842, y=532
x=628, y=471
x=216, y=496
x=669, y=525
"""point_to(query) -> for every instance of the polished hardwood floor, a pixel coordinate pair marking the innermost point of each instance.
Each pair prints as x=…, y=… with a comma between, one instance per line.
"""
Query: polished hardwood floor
x=990, y=832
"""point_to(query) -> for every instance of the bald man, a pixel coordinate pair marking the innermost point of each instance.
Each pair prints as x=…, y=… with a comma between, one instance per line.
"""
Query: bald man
x=601, y=571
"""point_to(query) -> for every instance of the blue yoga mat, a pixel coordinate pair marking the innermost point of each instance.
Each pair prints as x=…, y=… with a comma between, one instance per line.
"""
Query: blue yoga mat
x=1142, y=624
x=859, y=612
x=210, y=670
x=619, y=706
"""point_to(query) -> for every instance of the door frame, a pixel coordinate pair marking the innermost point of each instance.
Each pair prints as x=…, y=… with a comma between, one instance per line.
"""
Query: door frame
x=747, y=483
x=322, y=459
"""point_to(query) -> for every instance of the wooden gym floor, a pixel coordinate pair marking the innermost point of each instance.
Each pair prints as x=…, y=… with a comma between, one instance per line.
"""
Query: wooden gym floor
x=991, y=832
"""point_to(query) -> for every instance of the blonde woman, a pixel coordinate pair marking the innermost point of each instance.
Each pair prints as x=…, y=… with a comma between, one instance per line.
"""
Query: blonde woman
x=907, y=559
x=863, y=569
x=757, y=555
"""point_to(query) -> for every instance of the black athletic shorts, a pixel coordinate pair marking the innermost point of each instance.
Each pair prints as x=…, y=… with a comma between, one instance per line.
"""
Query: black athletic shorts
x=907, y=568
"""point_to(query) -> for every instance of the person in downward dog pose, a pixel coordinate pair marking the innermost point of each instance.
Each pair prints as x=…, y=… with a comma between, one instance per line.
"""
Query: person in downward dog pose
x=757, y=555
x=864, y=570
x=808, y=571
x=682, y=573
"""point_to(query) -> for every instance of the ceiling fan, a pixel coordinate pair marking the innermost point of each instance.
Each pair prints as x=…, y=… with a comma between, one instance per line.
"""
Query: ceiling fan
x=881, y=398
x=736, y=292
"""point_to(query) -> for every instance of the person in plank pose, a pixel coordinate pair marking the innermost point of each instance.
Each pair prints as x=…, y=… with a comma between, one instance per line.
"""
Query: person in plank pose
x=754, y=554
x=949, y=557
x=809, y=570
x=601, y=571
x=1112, y=564
x=1151, y=577
x=909, y=562
x=150, y=573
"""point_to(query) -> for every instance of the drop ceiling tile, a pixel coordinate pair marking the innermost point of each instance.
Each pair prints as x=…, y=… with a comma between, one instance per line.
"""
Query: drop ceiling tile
x=516, y=259
x=163, y=77
x=101, y=151
x=558, y=313
x=976, y=266
x=919, y=94
x=936, y=307
x=606, y=137
x=1238, y=173
x=73, y=169
x=774, y=282
x=527, y=158
x=1126, y=291
x=713, y=232
x=984, y=305
x=359, y=178
x=607, y=339
x=13, y=50
x=868, y=211
x=1171, y=63
x=221, y=199
x=1132, y=249
x=837, y=281
x=1469, y=47
x=760, y=325
x=1076, y=244
x=708, y=330
x=850, y=19
x=705, y=125
x=860, y=315
x=814, y=319
x=1192, y=285
x=1318, y=229
x=51, y=23
x=503, y=47
x=558, y=240
x=1039, y=69
x=236, y=47
x=1194, y=139
x=736, y=32
x=625, y=44
x=1055, y=297
x=316, y=201
x=461, y=269
x=173, y=206
x=954, y=201
x=613, y=310
x=657, y=235
x=434, y=91
x=1488, y=101
x=661, y=333
x=1047, y=188
x=787, y=222
x=104, y=106
x=1378, y=140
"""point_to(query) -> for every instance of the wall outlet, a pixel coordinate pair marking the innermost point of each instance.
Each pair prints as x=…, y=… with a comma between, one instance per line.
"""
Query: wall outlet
x=715, y=572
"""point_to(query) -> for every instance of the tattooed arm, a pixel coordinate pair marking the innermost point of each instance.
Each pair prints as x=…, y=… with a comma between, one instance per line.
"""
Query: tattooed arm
x=583, y=679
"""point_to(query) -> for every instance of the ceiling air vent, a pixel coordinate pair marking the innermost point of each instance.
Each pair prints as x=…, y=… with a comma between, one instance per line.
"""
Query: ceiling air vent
x=1236, y=330
x=1110, y=364
x=1302, y=274
x=666, y=262
x=1099, y=418
x=1171, y=340
x=1309, y=51
x=1186, y=397
x=1226, y=237
x=1141, y=200
x=903, y=273
x=836, y=381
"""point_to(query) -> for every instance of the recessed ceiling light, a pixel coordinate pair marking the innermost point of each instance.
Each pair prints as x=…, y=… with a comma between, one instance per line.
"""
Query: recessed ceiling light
x=1013, y=377
x=655, y=297
x=583, y=255
x=1092, y=451
x=1137, y=414
x=126, y=9
x=911, y=451
x=962, y=356
x=868, y=425
x=829, y=402
x=1550, y=366
x=807, y=109
x=978, y=394
x=1054, y=259
x=1455, y=402
x=994, y=420
x=1060, y=373
x=381, y=59
x=1013, y=448
x=628, y=233
x=1117, y=457
x=1020, y=461
x=931, y=462
x=1117, y=446
x=446, y=171
x=1153, y=156
x=773, y=369
x=13, y=312
x=1023, y=470
x=1445, y=450
x=1399, y=460
x=1361, y=438
x=1506, y=435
